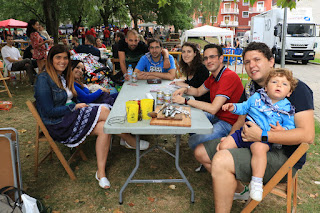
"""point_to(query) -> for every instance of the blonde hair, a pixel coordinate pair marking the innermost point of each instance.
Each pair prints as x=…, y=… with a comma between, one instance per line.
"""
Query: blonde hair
x=57, y=49
x=286, y=73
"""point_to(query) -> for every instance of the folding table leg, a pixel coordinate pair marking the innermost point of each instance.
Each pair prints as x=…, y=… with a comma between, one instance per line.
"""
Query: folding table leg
x=133, y=171
x=179, y=169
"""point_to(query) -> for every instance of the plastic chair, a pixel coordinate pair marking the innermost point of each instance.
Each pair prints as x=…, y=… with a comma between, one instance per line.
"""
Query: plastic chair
x=10, y=167
x=228, y=51
x=42, y=135
x=274, y=187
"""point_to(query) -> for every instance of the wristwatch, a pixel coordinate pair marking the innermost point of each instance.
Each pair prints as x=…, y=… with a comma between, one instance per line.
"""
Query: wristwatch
x=186, y=100
x=264, y=136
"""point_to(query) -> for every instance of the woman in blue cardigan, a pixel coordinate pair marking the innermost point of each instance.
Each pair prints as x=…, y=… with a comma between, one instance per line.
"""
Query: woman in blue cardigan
x=84, y=95
x=68, y=121
x=100, y=97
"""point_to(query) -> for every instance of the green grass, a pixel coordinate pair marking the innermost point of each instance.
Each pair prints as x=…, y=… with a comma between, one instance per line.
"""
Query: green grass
x=55, y=188
x=317, y=60
x=201, y=42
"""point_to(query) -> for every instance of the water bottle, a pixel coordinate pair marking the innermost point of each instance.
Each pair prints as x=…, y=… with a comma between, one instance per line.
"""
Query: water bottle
x=130, y=71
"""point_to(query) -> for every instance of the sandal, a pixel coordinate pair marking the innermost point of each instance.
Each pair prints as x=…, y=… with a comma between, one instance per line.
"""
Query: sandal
x=103, y=182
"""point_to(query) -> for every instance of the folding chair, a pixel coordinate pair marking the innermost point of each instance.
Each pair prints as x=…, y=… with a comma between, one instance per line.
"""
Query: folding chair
x=3, y=79
x=178, y=71
x=10, y=167
x=42, y=134
x=114, y=61
x=292, y=182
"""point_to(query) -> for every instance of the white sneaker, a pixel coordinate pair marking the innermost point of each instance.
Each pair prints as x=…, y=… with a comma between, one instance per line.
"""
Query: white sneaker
x=242, y=195
x=256, y=190
x=143, y=144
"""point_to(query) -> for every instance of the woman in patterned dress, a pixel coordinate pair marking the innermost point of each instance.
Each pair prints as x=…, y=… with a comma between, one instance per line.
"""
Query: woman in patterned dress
x=38, y=43
x=68, y=121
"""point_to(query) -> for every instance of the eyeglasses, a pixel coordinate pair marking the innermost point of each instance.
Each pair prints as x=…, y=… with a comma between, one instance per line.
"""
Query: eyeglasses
x=210, y=56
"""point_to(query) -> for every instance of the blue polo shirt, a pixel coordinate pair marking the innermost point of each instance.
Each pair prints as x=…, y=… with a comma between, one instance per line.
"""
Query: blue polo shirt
x=147, y=64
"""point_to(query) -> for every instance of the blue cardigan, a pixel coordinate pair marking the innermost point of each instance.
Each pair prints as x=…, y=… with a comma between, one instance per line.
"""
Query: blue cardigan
x=84, y=95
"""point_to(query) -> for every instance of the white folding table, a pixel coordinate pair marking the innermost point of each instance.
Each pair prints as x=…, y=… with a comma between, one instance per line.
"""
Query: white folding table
x=117, y=124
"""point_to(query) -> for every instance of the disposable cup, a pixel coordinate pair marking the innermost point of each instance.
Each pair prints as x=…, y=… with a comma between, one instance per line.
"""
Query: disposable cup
x=146, y=107
x=132, y=112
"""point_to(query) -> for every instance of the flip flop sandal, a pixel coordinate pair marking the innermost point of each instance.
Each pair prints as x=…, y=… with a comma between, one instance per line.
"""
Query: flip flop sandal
x=103, y=182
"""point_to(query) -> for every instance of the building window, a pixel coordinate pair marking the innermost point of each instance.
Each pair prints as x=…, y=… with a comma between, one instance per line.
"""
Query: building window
x=236, y=18
x=200, y=20
x=213, y=19
x=245, y=14
x=245, y=2
x=226, y=19
x=260, y=6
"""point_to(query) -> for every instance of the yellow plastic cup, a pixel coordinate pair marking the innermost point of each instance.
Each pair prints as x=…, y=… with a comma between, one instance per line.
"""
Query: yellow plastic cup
x=132, y=113
x=146, y=107
x=128, y=103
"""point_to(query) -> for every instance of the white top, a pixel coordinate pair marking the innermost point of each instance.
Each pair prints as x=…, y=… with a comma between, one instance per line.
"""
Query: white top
x=11, y=52
x=69, y=93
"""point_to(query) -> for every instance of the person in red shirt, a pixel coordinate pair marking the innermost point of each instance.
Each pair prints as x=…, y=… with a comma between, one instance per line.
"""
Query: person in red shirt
x=99, y=43
x=106, y=33
x=92, y=32
x=225, y=87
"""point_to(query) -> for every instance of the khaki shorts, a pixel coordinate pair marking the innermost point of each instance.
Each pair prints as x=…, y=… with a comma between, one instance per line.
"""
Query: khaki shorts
x=242, y=161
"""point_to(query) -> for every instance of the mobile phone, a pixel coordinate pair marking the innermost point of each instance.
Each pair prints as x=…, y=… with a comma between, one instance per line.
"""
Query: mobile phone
x=154, y=81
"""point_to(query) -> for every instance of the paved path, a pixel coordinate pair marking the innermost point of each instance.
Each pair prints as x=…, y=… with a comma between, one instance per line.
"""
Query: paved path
x=310, y=74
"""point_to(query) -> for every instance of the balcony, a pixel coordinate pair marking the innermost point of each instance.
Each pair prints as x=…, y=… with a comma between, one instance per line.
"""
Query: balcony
x=230, y=24
x=229, y=11
x=257, y=10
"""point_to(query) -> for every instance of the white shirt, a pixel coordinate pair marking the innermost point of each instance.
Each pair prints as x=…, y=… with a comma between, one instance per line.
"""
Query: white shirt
x=11, y=52
x=69, y=93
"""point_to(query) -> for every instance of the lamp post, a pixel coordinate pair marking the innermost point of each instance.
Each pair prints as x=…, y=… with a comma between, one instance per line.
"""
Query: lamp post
x=227, y=22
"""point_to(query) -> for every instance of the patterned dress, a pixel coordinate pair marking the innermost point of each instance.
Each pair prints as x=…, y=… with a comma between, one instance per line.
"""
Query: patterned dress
x=39, y=51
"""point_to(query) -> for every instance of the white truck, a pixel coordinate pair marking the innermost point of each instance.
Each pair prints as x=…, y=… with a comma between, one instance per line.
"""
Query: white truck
x=301, y=33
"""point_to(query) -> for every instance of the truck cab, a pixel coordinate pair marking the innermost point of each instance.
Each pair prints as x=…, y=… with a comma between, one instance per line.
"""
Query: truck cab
x=301, y=33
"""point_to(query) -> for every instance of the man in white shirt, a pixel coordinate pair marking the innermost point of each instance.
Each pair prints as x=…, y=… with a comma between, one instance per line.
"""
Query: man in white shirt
x=14, y=61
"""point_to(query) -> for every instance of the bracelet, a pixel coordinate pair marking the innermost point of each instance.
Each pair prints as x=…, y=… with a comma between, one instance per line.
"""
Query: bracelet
x=166, y=58
x=187, y=89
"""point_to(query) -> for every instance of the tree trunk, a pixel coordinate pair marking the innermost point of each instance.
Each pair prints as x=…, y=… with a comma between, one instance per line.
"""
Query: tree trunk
x=51, y=14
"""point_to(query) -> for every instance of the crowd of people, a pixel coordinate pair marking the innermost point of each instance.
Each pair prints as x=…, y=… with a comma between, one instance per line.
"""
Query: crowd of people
x=255, y=128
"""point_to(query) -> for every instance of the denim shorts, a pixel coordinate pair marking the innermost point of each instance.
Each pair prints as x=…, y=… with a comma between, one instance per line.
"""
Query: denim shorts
x=220, y=129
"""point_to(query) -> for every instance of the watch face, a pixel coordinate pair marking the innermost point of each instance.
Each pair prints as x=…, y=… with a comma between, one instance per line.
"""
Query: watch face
x=264, y=139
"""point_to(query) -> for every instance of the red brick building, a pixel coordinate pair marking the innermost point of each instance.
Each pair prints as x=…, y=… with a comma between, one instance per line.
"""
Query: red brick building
x=235, y=15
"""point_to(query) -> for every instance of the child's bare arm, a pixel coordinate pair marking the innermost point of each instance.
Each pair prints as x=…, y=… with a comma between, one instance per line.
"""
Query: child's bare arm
x=228, y=107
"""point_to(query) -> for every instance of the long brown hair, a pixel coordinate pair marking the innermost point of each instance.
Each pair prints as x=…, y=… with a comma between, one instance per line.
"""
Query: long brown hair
x=196, y=62
x=57, y=49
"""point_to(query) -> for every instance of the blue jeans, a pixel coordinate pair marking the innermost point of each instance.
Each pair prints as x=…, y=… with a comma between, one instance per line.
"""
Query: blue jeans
x=220, y=129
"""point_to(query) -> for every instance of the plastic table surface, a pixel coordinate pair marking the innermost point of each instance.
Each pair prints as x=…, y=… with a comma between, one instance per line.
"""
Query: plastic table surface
x=199, y=122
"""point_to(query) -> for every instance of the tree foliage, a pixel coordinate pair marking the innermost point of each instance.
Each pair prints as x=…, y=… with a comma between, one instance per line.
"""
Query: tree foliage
x=97, y=12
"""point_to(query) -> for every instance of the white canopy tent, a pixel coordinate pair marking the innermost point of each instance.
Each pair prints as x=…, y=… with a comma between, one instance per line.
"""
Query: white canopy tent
x=207, y=30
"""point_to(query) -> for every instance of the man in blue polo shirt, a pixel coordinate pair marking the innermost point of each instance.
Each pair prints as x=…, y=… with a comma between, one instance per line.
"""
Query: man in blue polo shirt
x=150, y=65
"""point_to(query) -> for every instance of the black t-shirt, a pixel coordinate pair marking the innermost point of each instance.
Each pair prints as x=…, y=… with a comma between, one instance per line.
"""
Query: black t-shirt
x=115, y=48
x=133, y=56
x=88, y=49
x=198, y=79
x=302, y=99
